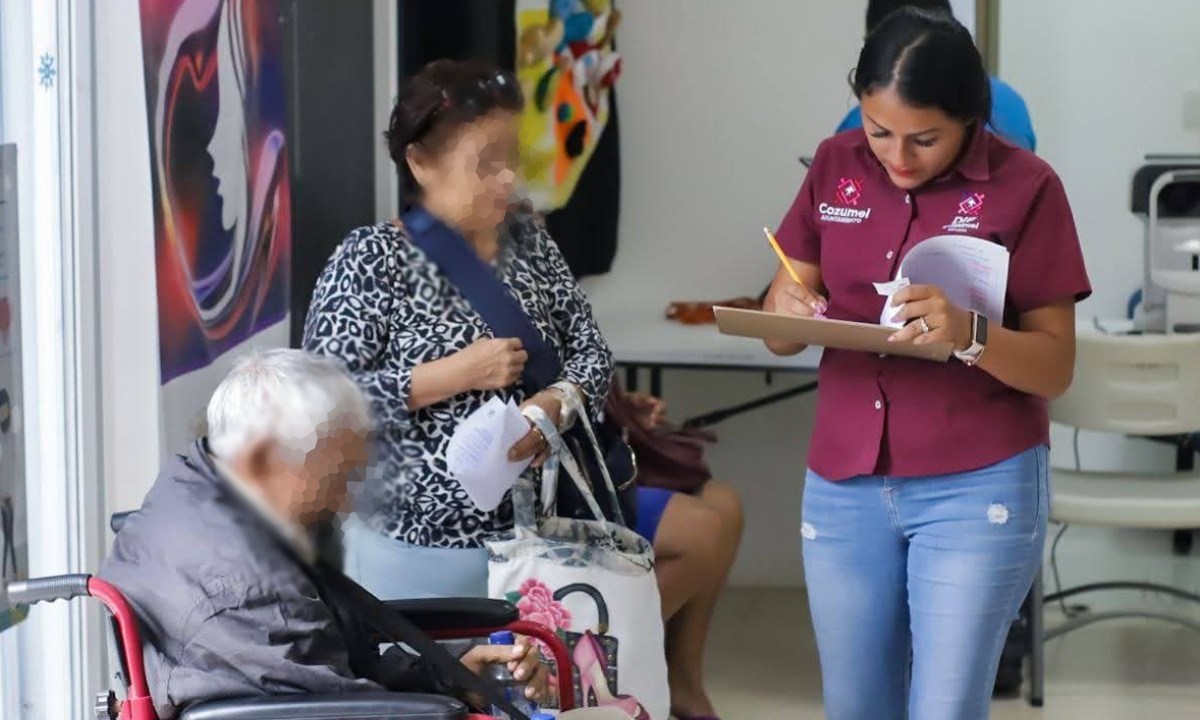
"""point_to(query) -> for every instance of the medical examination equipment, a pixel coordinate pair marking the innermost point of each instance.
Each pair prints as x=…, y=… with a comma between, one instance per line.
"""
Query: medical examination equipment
x=1166, y=195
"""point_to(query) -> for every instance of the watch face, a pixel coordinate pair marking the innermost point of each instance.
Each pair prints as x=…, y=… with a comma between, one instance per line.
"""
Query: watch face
x=981, y=329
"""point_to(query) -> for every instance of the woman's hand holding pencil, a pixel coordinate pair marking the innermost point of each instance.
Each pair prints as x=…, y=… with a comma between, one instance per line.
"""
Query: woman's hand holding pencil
x=796, y=298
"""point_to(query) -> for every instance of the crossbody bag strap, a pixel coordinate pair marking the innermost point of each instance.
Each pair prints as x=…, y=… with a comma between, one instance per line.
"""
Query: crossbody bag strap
x=400, y=629
x=476, y=281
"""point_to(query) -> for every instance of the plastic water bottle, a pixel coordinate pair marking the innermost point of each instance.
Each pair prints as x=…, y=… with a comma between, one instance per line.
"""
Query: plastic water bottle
x=513, y=689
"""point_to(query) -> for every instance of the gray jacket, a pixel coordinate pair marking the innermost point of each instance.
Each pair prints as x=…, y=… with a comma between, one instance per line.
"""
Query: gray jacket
x=227, y=610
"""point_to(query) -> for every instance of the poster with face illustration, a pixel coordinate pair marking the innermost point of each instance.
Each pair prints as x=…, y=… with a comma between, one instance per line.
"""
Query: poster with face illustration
x=216, y=109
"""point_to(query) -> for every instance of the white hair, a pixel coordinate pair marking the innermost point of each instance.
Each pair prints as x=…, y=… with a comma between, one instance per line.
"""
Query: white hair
x=291, y=397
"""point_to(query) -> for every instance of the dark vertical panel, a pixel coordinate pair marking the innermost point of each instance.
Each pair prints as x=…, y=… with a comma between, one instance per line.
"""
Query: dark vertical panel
x=331, y=135
x=457, y=29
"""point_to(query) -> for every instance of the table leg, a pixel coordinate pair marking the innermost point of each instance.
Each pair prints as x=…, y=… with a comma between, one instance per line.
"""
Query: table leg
x=1037, y=643
x=1185, y=461
x=656, y=382
x=631, y=378
x=712, y=418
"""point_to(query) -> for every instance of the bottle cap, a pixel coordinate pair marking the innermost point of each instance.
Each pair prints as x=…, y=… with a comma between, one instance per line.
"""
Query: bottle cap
x=503, y=637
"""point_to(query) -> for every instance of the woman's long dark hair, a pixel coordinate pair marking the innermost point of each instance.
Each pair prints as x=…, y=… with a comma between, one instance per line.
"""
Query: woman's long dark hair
x=931, y=60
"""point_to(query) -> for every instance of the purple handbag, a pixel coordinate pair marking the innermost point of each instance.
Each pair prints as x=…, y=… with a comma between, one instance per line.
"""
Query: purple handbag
x=667, y=457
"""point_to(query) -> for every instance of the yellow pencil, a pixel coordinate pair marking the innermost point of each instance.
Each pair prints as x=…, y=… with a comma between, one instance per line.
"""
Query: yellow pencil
x=783, y=258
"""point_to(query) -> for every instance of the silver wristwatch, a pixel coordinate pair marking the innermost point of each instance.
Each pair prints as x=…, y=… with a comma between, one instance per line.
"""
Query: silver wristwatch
x=979, y=333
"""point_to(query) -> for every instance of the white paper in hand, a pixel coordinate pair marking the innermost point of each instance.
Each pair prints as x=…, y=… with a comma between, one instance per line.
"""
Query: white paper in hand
x=477, y=455
x=889, y=290
x=972, y=272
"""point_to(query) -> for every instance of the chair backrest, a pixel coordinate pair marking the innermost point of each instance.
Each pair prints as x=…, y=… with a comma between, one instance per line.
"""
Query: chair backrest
x=1133, y=385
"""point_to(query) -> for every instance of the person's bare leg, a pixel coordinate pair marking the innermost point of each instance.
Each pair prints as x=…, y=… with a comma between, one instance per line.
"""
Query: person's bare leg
x=684, y=547
x=687, y=630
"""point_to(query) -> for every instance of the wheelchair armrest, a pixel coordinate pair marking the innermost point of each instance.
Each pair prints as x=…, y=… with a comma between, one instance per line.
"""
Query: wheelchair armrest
x=359, y=706
x=449, y=614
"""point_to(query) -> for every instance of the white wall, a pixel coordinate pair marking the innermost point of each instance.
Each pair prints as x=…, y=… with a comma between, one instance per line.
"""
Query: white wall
x=129, y=318
x=717, y=102
x=1105, y=86
x=1110, y=93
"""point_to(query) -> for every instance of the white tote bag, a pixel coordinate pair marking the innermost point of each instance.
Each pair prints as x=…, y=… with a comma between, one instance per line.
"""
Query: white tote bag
x=593, y=582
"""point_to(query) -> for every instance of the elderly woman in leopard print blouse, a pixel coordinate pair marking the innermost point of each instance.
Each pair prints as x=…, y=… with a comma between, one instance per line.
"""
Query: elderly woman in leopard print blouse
x=424, y=357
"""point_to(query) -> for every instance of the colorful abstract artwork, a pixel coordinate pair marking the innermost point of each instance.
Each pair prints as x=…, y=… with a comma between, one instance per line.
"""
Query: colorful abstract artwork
x=222, y=218
x=567, y=67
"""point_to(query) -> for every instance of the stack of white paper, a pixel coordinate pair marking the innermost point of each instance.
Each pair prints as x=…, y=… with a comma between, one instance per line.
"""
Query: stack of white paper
x=972, y=272
x=477, y=455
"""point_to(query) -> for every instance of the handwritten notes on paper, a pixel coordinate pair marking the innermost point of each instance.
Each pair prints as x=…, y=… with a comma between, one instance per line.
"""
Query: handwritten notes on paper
x=973, y=273
x=477, y=455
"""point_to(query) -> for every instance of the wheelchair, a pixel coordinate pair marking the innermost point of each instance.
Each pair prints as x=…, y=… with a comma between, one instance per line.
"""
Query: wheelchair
x=443, y=619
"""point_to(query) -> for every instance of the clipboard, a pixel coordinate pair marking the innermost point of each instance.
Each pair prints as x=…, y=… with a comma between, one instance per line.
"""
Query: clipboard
x=837, y=334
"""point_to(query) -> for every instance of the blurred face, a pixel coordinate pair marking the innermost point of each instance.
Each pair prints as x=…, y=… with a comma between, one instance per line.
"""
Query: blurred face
x=914, y=145
x=316, y=488
x=470, y=179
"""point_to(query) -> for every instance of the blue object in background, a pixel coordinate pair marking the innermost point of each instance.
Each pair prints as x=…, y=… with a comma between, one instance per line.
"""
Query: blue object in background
x=1134, y=301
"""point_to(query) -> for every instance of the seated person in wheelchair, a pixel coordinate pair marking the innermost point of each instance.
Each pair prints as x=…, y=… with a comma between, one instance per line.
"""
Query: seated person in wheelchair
x=220, y=567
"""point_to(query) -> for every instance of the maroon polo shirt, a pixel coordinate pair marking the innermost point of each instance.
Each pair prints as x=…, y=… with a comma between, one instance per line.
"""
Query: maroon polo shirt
x=909, y=418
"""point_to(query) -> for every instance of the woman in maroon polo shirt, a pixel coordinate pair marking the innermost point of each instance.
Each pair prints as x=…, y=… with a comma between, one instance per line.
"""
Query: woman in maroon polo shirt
x=926, y=498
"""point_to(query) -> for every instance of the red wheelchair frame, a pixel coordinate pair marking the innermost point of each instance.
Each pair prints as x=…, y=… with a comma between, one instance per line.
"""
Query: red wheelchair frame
x=138, y=705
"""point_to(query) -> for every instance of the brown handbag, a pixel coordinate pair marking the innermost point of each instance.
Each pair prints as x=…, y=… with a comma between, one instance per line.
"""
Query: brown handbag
x=701, y=313
x=667, y=457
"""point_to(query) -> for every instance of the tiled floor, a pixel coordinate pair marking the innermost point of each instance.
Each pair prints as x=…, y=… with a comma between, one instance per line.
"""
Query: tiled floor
x=763, y=666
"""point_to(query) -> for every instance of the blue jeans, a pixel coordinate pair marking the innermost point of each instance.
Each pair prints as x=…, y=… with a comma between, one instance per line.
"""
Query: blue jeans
x=393, y=570
x=913, y=584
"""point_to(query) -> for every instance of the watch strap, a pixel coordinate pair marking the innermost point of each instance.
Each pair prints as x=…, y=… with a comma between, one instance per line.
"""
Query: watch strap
x=971, y=355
